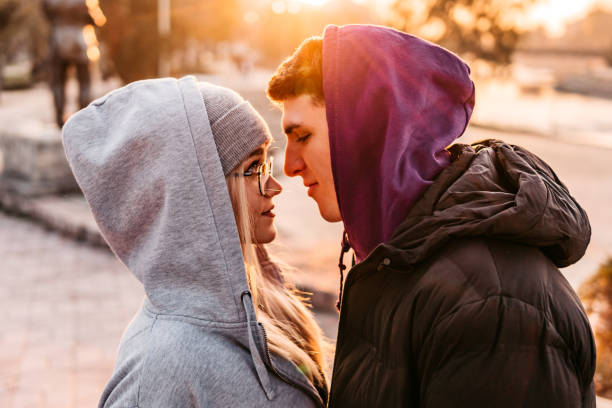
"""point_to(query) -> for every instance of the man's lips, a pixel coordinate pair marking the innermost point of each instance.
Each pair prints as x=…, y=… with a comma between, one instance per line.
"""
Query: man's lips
x=311, y=188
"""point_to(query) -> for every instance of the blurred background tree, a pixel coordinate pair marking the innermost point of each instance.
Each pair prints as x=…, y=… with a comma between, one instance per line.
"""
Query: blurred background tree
x=200, y=26
x=130, y=38
x=211, y=20
x=596, y=295
x=9, y=11
x=132, y=41
x=484, y=30
x=279, y=27
x=8, y=22
x=23, y=38
x=475, y=29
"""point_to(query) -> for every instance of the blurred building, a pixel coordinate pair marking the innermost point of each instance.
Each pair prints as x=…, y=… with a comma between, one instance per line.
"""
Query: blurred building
x=577, y=61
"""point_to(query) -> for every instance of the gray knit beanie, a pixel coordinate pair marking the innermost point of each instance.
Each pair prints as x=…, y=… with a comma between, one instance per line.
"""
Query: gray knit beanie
x=237, y=127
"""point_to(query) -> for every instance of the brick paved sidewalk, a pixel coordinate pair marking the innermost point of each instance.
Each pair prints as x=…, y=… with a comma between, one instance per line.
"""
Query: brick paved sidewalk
x=66, y=305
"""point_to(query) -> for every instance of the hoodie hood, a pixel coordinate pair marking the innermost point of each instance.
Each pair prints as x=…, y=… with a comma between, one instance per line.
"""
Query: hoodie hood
x=146, y=160
x=493, y=189
x=393, y=103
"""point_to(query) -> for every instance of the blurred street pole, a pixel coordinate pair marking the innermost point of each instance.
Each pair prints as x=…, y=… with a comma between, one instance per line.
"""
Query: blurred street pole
x=2, y=63
x=163, y=28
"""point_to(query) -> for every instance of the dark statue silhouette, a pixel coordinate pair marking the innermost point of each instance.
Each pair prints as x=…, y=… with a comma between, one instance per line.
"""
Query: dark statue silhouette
x=67, y=47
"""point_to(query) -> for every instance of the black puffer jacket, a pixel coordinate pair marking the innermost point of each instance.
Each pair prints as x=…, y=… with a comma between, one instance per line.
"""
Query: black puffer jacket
x=465, y=306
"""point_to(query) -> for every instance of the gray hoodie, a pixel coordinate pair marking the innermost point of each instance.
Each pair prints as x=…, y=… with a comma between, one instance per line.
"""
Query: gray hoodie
x=145, y=158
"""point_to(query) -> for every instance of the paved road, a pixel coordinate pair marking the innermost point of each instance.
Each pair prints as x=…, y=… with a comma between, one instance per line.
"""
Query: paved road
x=66, y=305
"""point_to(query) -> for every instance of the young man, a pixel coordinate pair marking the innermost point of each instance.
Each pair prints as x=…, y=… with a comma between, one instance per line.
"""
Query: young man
x=456, y=299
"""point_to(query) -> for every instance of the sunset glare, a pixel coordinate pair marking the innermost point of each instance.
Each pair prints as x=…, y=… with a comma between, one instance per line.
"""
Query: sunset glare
x=551, y=14
x=312, y=2
x=555, y=14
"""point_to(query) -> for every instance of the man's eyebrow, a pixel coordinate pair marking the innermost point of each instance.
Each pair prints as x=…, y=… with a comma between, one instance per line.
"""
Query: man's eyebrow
x=257, y=152
x=289, y=129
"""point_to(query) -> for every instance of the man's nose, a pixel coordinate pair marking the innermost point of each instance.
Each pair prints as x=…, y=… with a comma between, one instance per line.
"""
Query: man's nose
x=293, y=162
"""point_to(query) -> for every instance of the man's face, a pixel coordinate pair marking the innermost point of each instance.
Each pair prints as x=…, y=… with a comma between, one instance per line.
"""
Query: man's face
x=307, y=153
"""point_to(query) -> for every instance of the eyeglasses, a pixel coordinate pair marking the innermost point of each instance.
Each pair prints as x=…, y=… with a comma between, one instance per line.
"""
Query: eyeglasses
x=263, y=171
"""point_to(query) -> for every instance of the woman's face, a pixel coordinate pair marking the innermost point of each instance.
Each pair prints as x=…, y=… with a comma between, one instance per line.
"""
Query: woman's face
x=260, y=206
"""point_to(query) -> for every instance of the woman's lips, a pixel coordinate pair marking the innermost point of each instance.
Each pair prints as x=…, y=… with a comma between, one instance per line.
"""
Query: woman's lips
x=269, y=213
x=311, y=189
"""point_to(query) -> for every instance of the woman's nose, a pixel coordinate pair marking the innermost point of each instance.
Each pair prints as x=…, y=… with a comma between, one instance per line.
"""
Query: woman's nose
x=273, y=187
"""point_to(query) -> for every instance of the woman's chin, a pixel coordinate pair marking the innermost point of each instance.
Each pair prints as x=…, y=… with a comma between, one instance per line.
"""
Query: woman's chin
x=265, y=236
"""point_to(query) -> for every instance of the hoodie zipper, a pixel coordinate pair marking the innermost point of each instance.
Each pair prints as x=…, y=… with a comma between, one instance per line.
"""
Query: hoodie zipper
x=281, y=376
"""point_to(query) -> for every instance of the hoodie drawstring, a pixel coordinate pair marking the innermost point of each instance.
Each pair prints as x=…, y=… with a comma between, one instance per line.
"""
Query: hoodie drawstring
x=346, y=246
x=262, y=371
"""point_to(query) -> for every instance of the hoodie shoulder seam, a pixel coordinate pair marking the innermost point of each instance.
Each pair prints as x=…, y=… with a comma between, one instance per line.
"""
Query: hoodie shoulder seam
x=194, y=320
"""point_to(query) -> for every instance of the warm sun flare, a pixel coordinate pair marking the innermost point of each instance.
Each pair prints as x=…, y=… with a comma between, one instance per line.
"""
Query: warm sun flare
x=554, y=14
x=312, y=2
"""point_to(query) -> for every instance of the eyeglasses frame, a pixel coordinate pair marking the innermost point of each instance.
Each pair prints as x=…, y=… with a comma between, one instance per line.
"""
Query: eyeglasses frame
x=259, y=171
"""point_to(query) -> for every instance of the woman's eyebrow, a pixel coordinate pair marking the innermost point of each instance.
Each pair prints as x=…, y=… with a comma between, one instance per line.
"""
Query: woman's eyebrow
x=257, y=152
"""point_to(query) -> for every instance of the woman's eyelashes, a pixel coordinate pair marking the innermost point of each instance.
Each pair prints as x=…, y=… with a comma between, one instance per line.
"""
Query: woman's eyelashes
x=253, y=165
x=301, y=139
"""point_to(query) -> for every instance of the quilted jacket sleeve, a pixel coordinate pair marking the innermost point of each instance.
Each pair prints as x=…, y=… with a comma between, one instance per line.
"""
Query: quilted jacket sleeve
x=499, y=352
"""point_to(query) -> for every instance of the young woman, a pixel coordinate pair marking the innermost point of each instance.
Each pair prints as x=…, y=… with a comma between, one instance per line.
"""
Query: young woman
x=178, y=178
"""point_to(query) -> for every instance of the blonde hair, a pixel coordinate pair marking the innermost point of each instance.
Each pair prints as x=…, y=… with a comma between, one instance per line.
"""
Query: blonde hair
x=291, y=329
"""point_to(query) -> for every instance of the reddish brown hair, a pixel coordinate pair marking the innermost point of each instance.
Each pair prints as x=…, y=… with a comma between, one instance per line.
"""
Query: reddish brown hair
x=300, y=74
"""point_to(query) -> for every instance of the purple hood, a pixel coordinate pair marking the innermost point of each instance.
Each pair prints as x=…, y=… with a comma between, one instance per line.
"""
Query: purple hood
x=394, y=102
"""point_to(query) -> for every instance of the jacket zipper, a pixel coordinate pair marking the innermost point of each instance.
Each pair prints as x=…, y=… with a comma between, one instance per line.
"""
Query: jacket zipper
x=341, y=319
x=341, y=323
x=281, y=376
